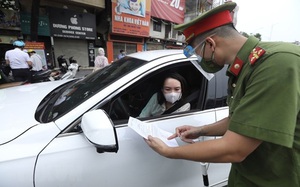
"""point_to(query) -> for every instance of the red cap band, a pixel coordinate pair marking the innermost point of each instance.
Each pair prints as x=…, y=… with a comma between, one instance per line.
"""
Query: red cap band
x=211, y=22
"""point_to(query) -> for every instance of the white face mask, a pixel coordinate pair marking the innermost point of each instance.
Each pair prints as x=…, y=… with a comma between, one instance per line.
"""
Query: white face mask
x=172, y=97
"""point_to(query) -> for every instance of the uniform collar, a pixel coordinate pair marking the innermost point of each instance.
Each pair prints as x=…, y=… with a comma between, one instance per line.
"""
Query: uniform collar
x=242, y=56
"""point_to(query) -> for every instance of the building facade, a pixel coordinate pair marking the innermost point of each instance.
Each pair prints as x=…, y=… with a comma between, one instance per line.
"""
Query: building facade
x=77, y=28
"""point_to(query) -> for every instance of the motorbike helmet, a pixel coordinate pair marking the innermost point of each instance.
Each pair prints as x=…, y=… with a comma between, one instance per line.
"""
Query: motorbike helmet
x=18, y=43
x=30, y=51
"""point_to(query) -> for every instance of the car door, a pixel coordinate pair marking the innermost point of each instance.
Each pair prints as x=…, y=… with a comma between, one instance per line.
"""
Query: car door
x=71, y=160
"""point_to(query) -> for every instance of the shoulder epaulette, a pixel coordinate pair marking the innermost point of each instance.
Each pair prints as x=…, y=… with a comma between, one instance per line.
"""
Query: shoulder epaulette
x=256, y=53
x=236, y=67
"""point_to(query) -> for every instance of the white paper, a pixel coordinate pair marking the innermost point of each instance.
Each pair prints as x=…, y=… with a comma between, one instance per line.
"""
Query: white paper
x=145, y=129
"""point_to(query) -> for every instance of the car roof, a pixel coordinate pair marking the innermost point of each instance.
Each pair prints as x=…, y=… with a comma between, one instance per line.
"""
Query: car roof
x=155, y=54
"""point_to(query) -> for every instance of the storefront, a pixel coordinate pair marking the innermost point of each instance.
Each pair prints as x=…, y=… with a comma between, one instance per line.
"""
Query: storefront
x=43, y=45
x=9, y=30
x=73, y=35
x=163, y=17
x=129, y=27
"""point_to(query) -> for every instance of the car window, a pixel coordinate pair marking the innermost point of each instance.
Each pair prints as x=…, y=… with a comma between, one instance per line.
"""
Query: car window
x=67, y=97
x=133, y=99
x=217, y=90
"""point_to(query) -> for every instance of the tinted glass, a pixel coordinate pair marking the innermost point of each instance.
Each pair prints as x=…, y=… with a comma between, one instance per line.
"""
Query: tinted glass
x=67, y=97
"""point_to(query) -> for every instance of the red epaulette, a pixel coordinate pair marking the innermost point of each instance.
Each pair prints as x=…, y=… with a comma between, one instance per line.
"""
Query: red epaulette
x=236, y=67
x=256, y=53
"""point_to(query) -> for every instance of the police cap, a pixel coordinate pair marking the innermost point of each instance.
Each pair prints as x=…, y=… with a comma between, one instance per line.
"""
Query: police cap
x=211, y=19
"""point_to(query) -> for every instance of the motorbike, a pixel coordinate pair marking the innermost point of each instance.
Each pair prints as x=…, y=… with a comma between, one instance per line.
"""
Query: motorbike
x=46, y=75
x=68, y=71
x=62, y=63
x=64, y=72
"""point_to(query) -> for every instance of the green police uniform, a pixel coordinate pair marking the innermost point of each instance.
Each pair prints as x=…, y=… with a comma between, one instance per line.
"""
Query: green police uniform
x=264, y=103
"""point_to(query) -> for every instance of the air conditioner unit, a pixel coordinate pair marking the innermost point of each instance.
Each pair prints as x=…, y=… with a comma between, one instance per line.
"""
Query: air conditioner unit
x=172, y=35
x=181, y=38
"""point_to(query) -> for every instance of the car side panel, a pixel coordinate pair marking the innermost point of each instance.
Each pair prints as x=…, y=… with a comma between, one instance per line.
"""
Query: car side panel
x=17, y=158
x=73, y=161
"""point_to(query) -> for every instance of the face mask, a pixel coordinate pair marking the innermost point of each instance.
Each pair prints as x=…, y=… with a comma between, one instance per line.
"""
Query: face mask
x=172, y=97
x=207, y=65
x=210, y=66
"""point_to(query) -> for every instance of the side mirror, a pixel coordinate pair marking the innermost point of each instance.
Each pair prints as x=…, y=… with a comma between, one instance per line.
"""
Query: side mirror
x=100, y=131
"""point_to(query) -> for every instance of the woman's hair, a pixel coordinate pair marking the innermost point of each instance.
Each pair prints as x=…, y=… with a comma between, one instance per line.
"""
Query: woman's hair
x=160, y=96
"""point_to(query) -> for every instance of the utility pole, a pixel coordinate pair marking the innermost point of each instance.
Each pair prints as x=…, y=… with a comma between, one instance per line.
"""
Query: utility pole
x=35, y=6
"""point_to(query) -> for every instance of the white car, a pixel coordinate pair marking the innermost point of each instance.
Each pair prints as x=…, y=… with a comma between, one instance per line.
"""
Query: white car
x=75, y=132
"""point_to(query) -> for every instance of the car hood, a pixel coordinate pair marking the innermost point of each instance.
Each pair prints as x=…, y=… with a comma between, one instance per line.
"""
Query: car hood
x=18, y=105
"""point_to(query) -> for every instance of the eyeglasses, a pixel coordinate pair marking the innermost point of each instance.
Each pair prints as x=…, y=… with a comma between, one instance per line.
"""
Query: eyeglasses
x=189, y=51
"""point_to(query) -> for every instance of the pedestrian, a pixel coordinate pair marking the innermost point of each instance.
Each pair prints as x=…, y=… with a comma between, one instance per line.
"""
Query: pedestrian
x=121, y=54
x=36, y=60
x=100, y=61
x=261, y=135
x=19, y=62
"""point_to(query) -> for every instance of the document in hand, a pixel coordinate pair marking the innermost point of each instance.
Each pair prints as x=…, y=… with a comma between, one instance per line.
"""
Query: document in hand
x=145, y=129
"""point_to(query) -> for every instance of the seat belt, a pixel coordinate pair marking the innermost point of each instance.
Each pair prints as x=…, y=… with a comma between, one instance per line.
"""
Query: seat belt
x=182, y=102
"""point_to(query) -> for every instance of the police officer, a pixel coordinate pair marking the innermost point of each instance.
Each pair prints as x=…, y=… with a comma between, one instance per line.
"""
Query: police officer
x=19, y=62
x=261, y=135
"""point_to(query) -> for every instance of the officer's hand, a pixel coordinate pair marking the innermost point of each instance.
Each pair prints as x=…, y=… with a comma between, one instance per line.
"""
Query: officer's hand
x=157, y=145
x=186, y=133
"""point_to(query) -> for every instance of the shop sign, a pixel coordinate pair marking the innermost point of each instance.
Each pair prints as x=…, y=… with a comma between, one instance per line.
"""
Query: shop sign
x=70, y=24
x=131, y=17
x=38, y=47
x=43, y=25
x=9, y=19
x=91, y=53
x=171, y=10
x=7, y=39
x=34, y=45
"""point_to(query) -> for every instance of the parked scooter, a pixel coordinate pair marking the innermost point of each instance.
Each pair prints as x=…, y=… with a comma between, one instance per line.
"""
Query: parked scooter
x=73, y=68
x=41, y=76
x=68, y=70
x=4, y=69
x=65, y=72
x=62, y=63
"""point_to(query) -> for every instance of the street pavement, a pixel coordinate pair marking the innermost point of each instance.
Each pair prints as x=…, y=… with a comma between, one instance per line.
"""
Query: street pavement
x=83, y=72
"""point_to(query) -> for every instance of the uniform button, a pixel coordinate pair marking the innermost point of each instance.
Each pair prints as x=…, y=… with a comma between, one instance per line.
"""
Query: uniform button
x=234, y=85
x=236, y=66
x=231, y=97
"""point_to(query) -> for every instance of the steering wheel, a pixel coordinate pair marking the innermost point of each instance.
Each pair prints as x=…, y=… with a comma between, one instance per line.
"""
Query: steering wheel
x=124, y=108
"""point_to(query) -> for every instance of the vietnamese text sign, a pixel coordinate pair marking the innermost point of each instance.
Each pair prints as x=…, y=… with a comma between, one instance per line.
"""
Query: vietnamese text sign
x=131, y=17
x=171, y=10
x=43, y=25
x=71, y=24
x=9, y=19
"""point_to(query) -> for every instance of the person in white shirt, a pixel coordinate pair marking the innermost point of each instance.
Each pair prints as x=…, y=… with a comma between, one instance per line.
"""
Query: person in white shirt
x=173, y=89
x=100, y=61
x=19, y=62
x=36, y=61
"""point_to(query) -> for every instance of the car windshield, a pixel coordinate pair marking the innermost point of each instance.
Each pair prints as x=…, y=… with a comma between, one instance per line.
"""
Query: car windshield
x=67, y=97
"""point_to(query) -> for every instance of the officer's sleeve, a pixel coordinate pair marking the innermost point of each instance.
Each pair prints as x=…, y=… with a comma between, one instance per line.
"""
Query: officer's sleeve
x=268, y=110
